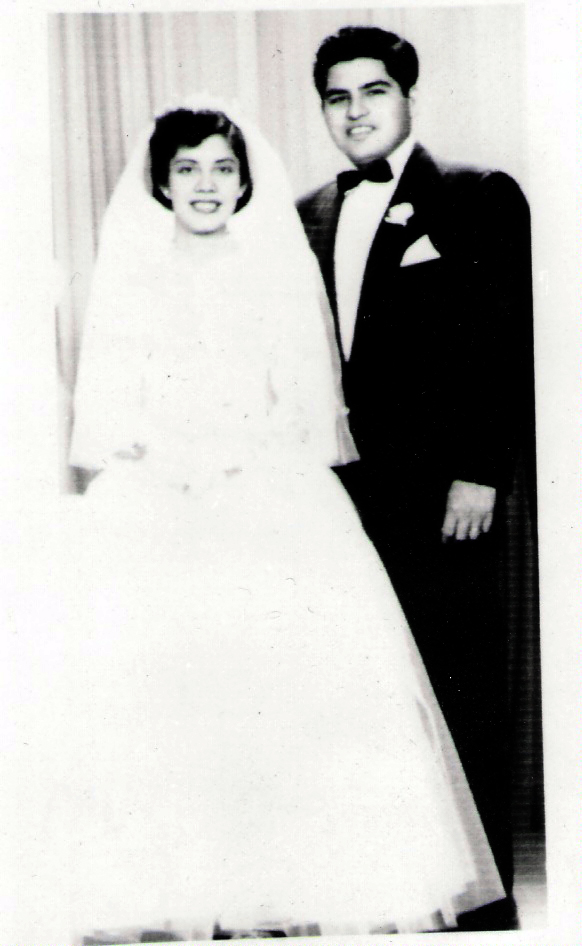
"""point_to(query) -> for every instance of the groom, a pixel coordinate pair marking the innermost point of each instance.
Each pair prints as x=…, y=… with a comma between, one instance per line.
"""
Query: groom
x=427, y=268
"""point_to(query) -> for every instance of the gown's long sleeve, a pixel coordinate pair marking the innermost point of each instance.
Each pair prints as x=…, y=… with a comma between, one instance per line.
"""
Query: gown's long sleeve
x=108, y=392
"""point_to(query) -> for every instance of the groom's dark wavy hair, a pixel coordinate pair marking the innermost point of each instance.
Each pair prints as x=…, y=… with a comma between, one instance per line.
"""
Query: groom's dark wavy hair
x=183, y=128
x=367, y=42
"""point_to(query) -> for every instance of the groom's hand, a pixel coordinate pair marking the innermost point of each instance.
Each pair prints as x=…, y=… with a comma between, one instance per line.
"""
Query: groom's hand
x=469, y=510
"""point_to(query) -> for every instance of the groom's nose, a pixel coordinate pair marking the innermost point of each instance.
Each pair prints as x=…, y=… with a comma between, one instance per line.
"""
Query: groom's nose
x=357, y=106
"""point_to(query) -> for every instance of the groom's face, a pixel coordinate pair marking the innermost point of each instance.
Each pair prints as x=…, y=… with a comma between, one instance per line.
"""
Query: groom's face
x=365, y=111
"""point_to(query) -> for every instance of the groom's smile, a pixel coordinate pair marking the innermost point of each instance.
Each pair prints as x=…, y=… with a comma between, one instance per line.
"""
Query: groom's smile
x=360, y=131
x=365, y=110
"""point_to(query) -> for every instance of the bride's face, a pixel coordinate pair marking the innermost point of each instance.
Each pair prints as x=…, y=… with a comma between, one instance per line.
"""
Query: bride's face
x=204, y=186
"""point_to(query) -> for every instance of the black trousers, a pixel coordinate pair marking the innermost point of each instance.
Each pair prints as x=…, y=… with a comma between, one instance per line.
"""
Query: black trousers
x=450, y=595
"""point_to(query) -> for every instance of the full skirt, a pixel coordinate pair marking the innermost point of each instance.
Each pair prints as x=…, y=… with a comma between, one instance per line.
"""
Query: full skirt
x=221, y=717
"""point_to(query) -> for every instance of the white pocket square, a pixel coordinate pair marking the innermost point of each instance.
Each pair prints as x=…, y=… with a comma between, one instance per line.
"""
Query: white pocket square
x=420, y=252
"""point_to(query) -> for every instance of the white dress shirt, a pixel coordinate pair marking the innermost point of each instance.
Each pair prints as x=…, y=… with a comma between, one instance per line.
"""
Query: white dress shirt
x=360, y=216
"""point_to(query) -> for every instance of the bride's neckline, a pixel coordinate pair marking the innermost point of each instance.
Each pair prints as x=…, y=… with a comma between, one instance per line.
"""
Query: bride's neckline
x=202, y=249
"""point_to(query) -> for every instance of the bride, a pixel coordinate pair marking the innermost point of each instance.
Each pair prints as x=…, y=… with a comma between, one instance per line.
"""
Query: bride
x=242, y=738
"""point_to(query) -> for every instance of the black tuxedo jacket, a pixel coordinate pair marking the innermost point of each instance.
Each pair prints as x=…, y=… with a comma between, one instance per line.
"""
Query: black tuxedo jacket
x=439, y=381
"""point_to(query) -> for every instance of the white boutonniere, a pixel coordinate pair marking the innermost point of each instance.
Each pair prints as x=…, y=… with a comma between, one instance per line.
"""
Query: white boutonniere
x=400, y=214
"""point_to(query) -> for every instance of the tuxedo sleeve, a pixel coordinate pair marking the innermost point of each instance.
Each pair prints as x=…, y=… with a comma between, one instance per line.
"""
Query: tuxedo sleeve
x=493, y=410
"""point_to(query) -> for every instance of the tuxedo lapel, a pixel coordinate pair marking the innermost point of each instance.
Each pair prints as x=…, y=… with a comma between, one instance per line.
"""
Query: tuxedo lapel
x=320, y=211
x=327, y=263
x=420, y=186
x=420, y=182
x=320, y=215
x=322, y=233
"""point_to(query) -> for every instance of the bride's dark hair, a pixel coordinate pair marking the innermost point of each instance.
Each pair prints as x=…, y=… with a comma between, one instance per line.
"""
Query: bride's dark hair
x=184, y=128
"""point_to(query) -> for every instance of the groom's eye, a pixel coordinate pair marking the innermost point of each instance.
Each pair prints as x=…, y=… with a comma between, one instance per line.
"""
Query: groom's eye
x=375, y=90
x=336, y=98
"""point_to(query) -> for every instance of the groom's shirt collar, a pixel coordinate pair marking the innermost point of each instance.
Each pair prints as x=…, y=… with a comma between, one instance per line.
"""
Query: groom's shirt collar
x=361, y=212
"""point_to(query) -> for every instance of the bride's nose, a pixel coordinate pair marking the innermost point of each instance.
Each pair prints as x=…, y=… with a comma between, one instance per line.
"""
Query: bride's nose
x=206, y=182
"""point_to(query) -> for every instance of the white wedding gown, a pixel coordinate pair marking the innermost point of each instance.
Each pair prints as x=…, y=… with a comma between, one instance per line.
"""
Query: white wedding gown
x=220, y=715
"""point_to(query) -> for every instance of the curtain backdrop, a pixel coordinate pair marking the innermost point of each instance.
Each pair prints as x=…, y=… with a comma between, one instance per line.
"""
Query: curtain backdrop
x=111, y=72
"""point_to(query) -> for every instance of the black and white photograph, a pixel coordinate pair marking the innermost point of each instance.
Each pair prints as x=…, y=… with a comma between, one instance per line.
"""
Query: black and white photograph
x=282, y=652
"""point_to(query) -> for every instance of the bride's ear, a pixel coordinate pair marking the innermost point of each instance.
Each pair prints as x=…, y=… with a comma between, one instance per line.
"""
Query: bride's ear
x=166, y=192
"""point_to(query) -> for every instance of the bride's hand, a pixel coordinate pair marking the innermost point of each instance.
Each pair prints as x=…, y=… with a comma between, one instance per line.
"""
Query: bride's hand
x=136, y=452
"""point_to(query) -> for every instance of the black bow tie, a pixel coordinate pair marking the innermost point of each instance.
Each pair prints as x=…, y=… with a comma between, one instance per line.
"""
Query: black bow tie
x=378, y=171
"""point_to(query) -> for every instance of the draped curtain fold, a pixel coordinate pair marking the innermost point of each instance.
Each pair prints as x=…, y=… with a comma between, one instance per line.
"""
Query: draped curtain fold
x=109, y=73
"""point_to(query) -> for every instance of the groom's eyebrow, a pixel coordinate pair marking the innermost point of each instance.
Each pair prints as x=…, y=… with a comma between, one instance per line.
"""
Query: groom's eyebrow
x=383, y=83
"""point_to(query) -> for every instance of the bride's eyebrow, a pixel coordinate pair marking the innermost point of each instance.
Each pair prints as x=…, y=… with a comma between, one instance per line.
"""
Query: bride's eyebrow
x=180, y=161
